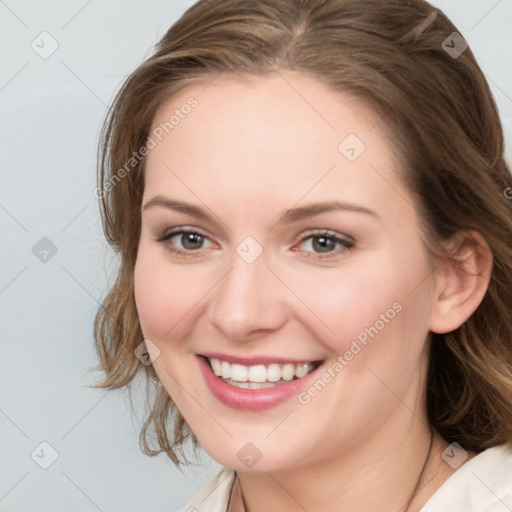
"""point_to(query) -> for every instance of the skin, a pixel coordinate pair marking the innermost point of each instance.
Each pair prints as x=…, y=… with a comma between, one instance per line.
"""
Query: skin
x=251, y=149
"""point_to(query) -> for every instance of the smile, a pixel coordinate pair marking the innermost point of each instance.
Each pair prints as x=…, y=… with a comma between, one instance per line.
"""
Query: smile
x=259, y=376
x=255, y=384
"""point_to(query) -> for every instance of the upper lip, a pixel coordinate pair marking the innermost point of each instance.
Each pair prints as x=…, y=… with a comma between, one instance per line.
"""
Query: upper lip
x=252, y=361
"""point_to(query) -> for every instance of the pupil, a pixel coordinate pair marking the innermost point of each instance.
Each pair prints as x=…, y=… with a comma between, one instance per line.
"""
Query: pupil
x=191, y=240
x=323, y=244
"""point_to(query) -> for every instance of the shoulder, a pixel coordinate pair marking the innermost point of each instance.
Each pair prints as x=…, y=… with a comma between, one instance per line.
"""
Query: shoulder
x=483, y=484
x=214, y=496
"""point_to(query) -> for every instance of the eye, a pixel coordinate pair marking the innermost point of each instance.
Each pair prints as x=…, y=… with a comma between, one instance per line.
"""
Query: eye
x=186, y=242
x=325, y=244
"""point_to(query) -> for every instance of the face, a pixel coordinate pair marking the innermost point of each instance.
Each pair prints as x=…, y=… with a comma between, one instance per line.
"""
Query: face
x=281, y=272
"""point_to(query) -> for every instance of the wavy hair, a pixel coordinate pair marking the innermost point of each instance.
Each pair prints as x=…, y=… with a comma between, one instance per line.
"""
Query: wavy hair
x=394, y=57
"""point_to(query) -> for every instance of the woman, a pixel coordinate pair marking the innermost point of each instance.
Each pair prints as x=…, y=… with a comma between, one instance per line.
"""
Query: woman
x=309, y=199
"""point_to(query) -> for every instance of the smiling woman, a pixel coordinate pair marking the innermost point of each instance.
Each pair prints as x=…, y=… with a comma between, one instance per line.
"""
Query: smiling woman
x=318, y=257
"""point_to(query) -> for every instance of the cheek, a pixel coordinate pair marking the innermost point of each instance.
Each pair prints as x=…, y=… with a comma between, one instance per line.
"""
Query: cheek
x=377, y=305
x=168, y=303
x=156, y=296
x=338, y=304
x=165, y=296
x=151, y=300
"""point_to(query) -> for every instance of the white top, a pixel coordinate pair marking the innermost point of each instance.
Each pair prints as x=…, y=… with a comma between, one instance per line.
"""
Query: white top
x=483, y=484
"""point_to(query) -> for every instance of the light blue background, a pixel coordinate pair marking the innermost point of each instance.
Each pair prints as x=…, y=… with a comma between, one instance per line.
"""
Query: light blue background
x=51, y=111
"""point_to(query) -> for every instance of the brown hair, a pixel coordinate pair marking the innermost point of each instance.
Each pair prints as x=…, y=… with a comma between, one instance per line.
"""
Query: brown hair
x=445, y=128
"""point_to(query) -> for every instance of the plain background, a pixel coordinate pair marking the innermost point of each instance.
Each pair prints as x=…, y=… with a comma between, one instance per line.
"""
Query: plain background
x=51, y=111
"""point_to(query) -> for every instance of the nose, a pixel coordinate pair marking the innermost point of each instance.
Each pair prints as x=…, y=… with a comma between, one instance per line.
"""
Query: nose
x=248, y=301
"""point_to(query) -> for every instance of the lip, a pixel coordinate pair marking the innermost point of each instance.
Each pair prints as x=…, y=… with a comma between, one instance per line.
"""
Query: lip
x=253, y=399
x=252, y=361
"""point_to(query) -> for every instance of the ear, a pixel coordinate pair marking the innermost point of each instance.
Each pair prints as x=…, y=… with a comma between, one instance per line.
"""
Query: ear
x=461, y=286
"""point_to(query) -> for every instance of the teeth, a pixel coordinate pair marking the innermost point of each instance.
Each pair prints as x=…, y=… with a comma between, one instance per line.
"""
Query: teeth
x=255, y=377
x=239, y=373
x=215, y=363
x=250, y=385
x=288, y=371
x=256, y=373
x=301, y=370
x=273, y=372
x=225, y=369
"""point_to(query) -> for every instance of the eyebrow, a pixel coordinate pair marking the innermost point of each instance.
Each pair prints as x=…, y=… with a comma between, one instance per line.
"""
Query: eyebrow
x=287, y=217
x=295, y=214
x=178, y=206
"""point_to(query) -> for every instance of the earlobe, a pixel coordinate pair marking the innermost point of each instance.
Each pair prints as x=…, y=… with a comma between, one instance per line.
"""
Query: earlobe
x=461, y=284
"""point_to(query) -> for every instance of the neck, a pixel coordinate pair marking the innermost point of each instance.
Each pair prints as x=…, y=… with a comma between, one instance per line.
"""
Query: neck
x=397, y=476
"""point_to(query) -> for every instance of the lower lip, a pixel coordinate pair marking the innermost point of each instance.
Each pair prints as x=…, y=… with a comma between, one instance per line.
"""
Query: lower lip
x=252, y=399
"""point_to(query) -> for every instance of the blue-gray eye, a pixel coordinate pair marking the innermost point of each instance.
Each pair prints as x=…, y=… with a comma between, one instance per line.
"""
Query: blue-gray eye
x=323, y=243
x=192, y=241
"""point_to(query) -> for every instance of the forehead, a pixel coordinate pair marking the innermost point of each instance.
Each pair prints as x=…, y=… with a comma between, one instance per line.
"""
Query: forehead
x=287, y=104
x=280, y=137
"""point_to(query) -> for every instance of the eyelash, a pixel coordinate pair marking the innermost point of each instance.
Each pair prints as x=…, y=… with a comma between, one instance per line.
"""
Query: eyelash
x=347, y=243
x=166, y=236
